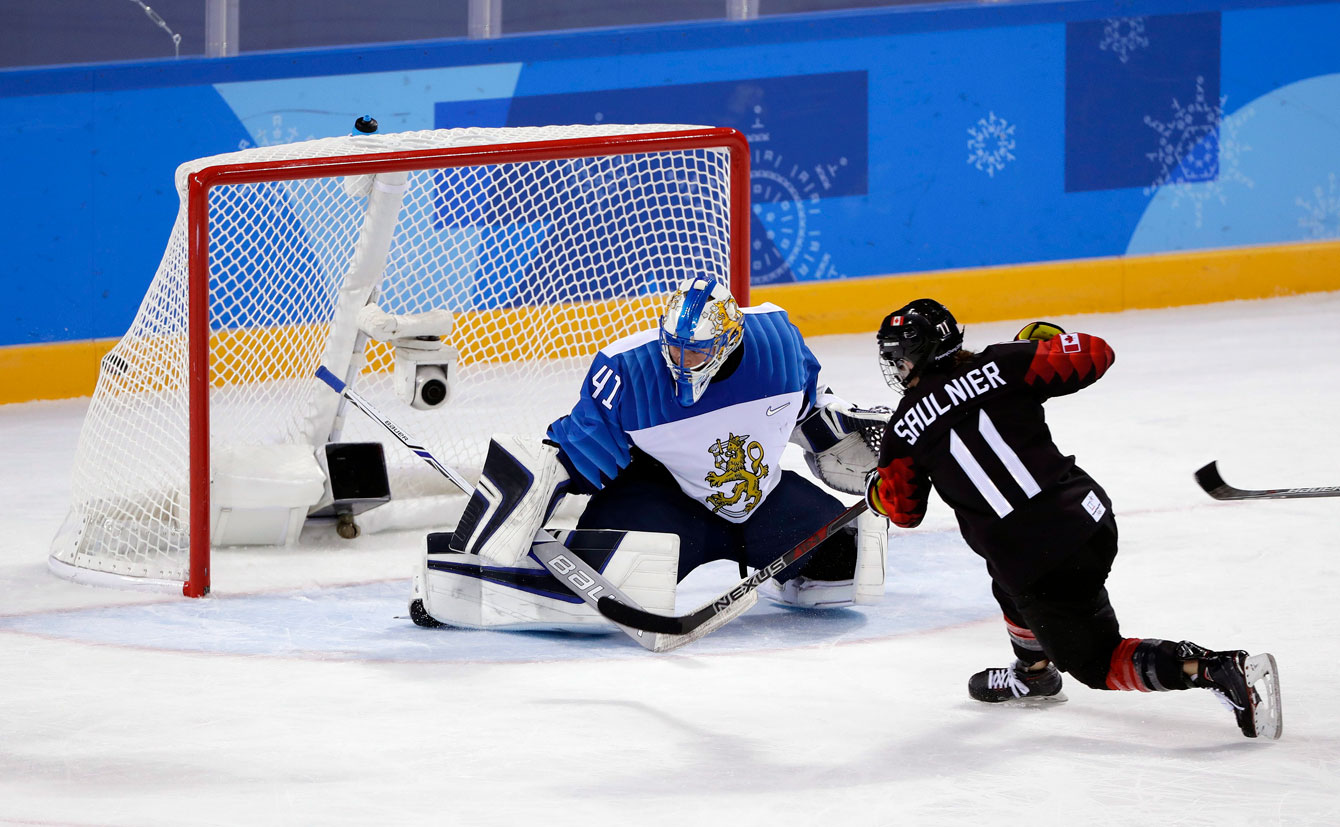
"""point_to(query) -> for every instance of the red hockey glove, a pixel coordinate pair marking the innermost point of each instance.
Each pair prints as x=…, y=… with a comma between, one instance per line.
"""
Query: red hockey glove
x=1038, y=331
x=898, y=491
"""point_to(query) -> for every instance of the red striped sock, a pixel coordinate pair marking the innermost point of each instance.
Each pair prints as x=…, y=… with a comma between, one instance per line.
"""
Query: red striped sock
x=1123, y=673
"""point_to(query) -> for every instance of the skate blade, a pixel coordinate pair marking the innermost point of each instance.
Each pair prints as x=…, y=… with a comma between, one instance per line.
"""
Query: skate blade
x=1267, y=714
x=1032, y=701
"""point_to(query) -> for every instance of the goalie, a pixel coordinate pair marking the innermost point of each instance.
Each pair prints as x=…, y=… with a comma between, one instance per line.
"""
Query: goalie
x=678, y=437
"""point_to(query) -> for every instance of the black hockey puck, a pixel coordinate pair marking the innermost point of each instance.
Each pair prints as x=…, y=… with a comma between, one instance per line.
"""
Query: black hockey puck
x=366, y=124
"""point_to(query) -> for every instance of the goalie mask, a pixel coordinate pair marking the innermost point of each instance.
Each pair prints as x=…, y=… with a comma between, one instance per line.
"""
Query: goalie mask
x=918, y=334
x=701, y=327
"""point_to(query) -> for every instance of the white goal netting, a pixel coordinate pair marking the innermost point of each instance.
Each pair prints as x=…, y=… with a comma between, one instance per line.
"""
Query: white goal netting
x=540, y=260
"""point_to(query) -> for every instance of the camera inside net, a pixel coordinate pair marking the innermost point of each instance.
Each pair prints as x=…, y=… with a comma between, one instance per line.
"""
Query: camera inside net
x=425, y=366
x=423, y=377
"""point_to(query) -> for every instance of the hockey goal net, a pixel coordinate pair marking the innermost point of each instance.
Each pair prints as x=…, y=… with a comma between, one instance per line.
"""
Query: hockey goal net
x=541, y=243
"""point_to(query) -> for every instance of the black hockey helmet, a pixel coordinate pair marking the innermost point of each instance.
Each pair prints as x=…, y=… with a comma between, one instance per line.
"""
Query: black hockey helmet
x=920, y=333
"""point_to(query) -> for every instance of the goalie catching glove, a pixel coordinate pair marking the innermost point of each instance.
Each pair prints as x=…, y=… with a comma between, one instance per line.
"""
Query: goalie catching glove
x=521, y=484
x=841, y=443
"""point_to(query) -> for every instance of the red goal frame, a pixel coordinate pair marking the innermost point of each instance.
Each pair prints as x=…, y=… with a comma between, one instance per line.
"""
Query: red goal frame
x=198, y=233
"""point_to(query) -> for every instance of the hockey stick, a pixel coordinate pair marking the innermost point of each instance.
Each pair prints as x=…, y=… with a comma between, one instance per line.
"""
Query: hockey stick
x=572, y=571
x=1214, y=485
x=687, y=625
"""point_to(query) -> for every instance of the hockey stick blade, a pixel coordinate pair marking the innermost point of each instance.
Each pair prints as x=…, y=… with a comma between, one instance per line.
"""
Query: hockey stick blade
x=1210, y=479
x=569, y=569
x=637, y=618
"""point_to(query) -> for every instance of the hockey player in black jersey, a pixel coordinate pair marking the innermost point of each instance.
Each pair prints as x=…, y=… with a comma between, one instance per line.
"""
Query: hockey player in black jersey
x=971, y=425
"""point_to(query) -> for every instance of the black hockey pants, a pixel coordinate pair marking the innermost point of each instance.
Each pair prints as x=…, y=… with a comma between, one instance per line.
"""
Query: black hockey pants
x=645, y=497
x=1069, y=611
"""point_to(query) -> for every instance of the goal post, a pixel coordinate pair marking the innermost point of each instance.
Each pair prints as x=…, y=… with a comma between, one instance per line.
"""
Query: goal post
x=503, y=257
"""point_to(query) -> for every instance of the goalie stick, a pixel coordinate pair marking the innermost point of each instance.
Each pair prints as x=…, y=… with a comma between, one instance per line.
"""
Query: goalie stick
x=585, y=582
x=689, y=624
x=1214, y=485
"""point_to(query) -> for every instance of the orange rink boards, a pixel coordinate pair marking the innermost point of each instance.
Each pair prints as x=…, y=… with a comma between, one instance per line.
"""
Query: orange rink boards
x=61, y=370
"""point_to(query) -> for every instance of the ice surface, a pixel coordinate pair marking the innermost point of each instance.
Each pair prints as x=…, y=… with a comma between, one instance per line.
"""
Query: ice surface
x=299, y=694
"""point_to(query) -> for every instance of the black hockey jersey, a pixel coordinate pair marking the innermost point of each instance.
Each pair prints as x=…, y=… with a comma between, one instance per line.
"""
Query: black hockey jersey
x=979, y=436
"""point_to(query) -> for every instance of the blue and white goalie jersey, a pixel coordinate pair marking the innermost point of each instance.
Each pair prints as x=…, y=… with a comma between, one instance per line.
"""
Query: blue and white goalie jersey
x=725, y=451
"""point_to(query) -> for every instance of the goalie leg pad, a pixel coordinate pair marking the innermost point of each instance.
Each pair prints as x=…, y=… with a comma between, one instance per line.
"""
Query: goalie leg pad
x=804, y=593
x=864, y=588
x=474, y=592
x=520, y=485
x=826, y=580
x=872, y=549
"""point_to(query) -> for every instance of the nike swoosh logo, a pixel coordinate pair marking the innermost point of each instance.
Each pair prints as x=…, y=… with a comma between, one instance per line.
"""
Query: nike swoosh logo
x=772, y=410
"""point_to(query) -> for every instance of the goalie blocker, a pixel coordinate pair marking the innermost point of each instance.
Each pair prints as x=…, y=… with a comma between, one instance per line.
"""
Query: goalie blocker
x=521, y=483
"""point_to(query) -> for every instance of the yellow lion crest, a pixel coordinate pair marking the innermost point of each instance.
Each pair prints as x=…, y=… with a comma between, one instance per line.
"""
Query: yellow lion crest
x=730, y=458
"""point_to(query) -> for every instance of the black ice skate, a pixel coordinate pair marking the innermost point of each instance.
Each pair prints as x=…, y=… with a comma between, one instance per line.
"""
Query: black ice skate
x=1247, y=684
x=1013, y=684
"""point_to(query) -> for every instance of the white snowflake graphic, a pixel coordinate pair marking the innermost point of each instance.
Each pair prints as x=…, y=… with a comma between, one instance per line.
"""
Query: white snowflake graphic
x=276, y=134
x=1123, y=35
x=990, y=144
x=1198, y=151
x=1323, y=214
